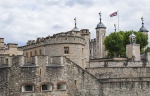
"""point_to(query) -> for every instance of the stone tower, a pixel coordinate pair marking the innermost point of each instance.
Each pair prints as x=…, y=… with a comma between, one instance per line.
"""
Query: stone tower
x=143, y=29
x=100, y=36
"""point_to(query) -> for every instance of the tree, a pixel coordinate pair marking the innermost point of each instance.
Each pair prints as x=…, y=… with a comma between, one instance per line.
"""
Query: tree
x=116, y=42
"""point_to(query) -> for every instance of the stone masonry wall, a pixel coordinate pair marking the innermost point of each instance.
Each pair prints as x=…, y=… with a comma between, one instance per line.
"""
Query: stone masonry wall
x=78, y=81
x=126, y=89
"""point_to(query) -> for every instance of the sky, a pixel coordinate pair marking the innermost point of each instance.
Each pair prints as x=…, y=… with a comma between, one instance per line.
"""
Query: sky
x=23, y=20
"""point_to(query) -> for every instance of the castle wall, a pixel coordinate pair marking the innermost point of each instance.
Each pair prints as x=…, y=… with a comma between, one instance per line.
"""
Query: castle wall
x=122, y=72
x=93, y=48
x=4, y=75
x=54, y=46
x=126, y=89
x=86, y=50
x=75, y=52
x=114, y=69
x=122, y=78
x=78, y=81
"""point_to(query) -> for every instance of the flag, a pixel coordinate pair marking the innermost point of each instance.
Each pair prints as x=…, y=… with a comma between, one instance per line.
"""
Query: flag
x=113, y=14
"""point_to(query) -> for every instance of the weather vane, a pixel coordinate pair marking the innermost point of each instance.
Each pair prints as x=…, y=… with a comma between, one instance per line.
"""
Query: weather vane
x=75, y=21
x=100, y=16
x=115, y=27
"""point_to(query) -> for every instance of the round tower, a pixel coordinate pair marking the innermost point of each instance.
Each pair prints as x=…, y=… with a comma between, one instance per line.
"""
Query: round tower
x=100, y=36
x=143, y=29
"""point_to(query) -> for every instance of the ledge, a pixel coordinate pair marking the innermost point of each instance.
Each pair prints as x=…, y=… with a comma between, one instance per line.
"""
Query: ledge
x=31, y=65
x=4, y=66
x=55, y=66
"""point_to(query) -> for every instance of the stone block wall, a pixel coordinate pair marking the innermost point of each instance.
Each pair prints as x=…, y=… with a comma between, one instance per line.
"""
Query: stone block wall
x=77, y=80
x=126, y=89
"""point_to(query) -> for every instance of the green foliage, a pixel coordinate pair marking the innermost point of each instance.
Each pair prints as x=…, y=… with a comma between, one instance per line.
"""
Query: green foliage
x=116, y=42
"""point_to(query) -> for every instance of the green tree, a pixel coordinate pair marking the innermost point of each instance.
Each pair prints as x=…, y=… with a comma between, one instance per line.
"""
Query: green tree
x=116, y=42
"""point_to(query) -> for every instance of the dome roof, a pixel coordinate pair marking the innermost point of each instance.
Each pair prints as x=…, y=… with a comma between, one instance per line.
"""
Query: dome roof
x=100, y=25
x=132, y=35
x=75, y=29
x=143, y=29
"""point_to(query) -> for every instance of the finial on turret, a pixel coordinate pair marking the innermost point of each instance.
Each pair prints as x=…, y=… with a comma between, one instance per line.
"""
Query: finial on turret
x=115, y=27
x=100, y=17
x=143, y=29
x=75, y=28
x=75, y=22
x=142, y=22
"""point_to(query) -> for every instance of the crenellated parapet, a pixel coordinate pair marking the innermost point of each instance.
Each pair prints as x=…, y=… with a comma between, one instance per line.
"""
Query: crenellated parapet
x=85, y=32
x=61, y=38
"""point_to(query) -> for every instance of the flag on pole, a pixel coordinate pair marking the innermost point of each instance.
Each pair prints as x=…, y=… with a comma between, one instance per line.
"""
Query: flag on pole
x=113, y=14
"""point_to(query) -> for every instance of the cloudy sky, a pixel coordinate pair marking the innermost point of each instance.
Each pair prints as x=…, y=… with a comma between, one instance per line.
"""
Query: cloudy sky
x=22, y=20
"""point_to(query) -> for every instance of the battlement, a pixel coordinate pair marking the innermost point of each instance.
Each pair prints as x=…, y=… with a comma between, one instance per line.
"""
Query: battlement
x=55, y=39
x=5, y=62
x=12, y=45
x=85, y=32
x=1, y=40
x=55, y=61
x=109, y=64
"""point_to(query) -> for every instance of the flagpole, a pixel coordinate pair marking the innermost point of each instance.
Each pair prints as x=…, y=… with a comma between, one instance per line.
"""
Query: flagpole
x=118, y=20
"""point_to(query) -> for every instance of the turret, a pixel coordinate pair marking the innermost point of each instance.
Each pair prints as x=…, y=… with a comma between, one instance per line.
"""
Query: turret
x=100, y=36
x=1, y=42
x=133, y=49
x=143, y=29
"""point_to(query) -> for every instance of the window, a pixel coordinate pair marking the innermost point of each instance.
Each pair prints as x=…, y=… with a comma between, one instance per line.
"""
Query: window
x=66, y=50
x=27, y=55
x=35, y=53
x=6, y=61
x=61, y=86
x=27, y=88
x=47, y=87
x=31, y=53
x=40, y=52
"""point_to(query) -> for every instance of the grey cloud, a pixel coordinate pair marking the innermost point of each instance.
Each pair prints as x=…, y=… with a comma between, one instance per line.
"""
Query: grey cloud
x=56, y=27
x=81, y=2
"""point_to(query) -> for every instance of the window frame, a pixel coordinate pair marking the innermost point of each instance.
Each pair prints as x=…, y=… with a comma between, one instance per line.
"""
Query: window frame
x=62, y=86
x=24, y=88
x=49, y=87
x=66, y=52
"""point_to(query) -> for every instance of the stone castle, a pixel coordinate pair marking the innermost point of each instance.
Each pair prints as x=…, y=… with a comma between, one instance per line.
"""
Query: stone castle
x=71, y=64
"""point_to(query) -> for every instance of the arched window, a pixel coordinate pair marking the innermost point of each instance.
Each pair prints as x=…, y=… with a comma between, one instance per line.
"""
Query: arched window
x=35, y=53
x=27, y=88
x=27, y=55
x=62, y=86
x=6, y=61
x=40, y=52
x=47, y=87
x=66, y=50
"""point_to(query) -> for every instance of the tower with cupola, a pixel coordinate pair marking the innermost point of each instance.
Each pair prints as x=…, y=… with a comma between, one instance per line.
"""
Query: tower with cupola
x=100, y=36
x=143, y=29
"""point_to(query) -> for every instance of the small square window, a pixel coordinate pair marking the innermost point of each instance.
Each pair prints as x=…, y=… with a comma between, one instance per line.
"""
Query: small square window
x=61, y=86
x=27, y=88
x=66, y=50
x=47, y=87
